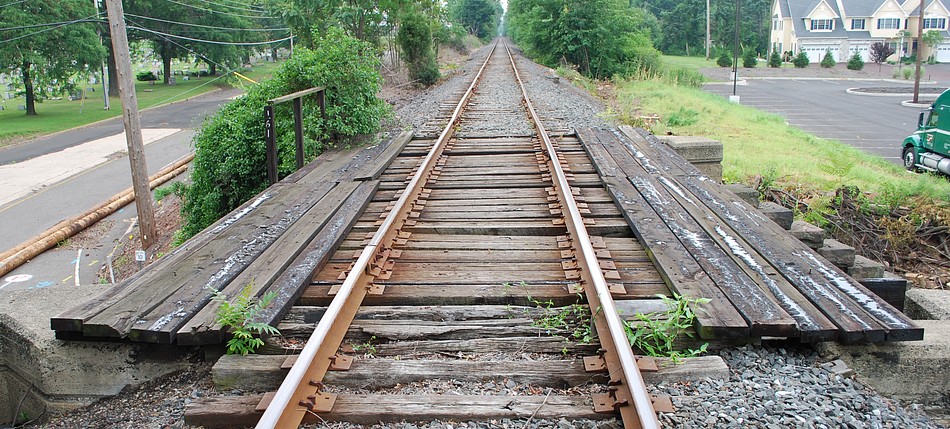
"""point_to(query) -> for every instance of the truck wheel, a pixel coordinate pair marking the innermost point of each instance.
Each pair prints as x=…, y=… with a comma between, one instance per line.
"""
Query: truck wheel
x=910, y=158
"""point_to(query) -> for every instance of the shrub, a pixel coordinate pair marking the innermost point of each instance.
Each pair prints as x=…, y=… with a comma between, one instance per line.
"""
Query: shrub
x=801, y=60
x=415, y=39
x=146, y=76
x=229, y=166
x=724, y=59
x=749, y=59
x=828, y=61
x=775, y=60
x=855, y=62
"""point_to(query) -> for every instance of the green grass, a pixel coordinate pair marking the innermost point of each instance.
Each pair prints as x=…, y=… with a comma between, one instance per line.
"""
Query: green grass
x=58, y=115
x=756, y=143
x=693, y=63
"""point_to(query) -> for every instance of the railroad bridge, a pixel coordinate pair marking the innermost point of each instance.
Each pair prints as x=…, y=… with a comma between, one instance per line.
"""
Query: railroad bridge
x=445, y=241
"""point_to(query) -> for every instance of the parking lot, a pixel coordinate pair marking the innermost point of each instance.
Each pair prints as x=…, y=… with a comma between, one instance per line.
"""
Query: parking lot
x=874, y=124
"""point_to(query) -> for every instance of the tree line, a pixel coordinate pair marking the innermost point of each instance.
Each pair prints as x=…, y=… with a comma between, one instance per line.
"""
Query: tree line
x=51, y=45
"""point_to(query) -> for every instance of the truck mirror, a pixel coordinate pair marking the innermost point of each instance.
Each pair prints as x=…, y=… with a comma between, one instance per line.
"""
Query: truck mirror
x=920, y=120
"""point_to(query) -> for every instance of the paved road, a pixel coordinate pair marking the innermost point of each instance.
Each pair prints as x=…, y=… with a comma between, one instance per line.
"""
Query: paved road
x=875, y=125
x=26, y=216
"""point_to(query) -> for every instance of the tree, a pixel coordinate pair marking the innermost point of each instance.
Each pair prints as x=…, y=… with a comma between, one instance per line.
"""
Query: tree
x=828, y=61
x=932, y=38
x=685, y=26
x=479, y=17
x=749, y=58
x=801, y=60
x=880, y=52
x=50, y=60
x=855, y=62
x=602, y=38
x=724, y=59
x=775, y=60
x=415, y=39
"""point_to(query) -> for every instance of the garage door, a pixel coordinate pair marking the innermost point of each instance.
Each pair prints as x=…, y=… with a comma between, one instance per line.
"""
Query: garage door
x=943, y=53
x=817, y=52
x=863, y=51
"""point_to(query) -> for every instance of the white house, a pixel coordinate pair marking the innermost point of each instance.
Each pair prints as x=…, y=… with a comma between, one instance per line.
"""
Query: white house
x=847, y=26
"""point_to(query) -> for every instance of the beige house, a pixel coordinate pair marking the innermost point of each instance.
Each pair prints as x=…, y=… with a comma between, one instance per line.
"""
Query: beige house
x=848, y=26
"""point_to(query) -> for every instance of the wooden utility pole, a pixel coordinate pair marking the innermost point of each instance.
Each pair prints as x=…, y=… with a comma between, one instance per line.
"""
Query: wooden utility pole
x=133, y=124
x=708, y=32
x=920, y=50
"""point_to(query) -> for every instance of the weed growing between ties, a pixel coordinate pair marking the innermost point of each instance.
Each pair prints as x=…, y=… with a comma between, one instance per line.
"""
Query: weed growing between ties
x=239, y=317
x=655, y=334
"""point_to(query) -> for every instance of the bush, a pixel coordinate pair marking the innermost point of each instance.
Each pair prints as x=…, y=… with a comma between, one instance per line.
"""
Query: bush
x=855, y=62
x=724, y=59
x=146, y=76
x=775, y=60
x=229, y=166
x=415, y=39
x=801, y=60
x=749, y=58
x=828, y=61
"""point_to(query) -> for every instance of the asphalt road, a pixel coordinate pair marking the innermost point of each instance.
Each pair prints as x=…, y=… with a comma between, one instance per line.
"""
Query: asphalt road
x=876, y=125
x=78, y=261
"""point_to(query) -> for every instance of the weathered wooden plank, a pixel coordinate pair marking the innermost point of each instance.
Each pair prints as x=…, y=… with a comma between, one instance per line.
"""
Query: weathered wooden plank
x=408, y=330
x=261, y=373
x=859, y=314
x=238, y=411
x=371, y=167
x=284, y=255
x=602, y=227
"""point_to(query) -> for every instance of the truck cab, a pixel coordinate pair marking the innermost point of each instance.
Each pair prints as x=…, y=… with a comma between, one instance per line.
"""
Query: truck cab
x=928, y=148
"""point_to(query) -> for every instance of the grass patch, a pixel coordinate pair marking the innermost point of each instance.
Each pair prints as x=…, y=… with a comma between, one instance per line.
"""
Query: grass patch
x=693, y=63
x=758, y=144
x=58, y=115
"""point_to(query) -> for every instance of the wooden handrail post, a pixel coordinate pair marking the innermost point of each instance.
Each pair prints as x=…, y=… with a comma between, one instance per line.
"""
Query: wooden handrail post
x=271, y=144
x=298, y=129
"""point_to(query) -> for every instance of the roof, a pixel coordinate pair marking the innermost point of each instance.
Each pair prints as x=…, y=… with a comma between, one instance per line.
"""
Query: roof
x=862, y=8
x=798, y=9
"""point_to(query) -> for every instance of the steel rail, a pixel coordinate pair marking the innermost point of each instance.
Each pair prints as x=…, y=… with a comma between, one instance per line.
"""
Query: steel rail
x=286, y=409
x=600, y=300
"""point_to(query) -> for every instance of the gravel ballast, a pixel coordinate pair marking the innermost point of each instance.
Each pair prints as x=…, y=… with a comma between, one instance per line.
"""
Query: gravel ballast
x=769, y=387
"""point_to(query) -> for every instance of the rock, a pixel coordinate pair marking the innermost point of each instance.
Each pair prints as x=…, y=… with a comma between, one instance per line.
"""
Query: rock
x=780, y=215
x=746, y=193
x=837, y=253
x=928, y=304
x=865, y=268
x=809, y=234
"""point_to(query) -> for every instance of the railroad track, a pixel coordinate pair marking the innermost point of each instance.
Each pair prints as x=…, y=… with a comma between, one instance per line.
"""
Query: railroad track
x=473, y=238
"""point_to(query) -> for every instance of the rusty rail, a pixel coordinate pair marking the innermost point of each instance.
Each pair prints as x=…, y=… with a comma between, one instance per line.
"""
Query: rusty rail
x=300, y=391
x=618, y=355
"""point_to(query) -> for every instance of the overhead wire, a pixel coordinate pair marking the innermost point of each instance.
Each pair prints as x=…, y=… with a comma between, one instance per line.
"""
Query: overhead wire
x=214, y=27
x=221, y=12
x=86, y=19
x=213, y=42
x=233, y=7
x=12, y=3
x=48, y=24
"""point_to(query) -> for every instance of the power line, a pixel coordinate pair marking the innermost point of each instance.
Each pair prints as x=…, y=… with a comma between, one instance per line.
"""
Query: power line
x=213, y=42
x=49, y=24
x=205, y=26
x=87, y=19
x=13, y=3
x=232, y=7
x=221, y=12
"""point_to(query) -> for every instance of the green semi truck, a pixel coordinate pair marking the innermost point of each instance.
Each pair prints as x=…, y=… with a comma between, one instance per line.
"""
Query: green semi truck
x=928, y=148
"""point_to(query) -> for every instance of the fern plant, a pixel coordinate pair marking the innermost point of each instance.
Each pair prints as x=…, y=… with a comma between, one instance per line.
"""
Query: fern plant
x=238, y=317
x=655, y=334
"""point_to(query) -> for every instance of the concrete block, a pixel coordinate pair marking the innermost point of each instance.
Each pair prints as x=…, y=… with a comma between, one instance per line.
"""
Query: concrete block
x=746, y=193
x=913, y=371
x=865, y=268
x=891, y=288
x=780, y=215
x=929, y=304
x=837, y=253
x=66, y=375
x=704, y=153
x=809, y=234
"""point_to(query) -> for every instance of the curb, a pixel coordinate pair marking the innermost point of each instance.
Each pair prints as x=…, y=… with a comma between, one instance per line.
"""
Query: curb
x=740, y=82
x=929, y=82
x=857, y=91
x=910, y=103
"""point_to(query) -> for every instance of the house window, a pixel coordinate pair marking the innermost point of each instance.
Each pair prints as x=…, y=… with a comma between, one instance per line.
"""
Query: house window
x=940, y=23
x=778, y=24
x=822, y=24
x=857, y=24
x=888, y=23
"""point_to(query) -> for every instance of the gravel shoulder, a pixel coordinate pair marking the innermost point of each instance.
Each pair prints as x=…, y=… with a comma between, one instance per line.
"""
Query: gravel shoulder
x=769, y=386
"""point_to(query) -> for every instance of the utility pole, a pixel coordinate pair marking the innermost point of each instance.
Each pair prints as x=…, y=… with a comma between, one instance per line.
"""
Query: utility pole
x=102, y=64
x=133, y=124
x=708, y=31
x=920, y=46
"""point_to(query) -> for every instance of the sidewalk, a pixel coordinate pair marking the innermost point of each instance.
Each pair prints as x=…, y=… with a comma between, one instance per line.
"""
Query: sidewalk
x=871, y=71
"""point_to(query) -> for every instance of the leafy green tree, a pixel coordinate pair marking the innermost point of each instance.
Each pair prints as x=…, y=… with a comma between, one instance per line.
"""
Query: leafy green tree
x=828, y=61
x=724, y=59
x=855, y=62
x=229, y=165
x=932, y=38
x=801, y=60
x=749, y=58
x=479, y=17
x=602, y=38
x=775, y=60
x=50, y=60
x=415, y=39
x=684, y=24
